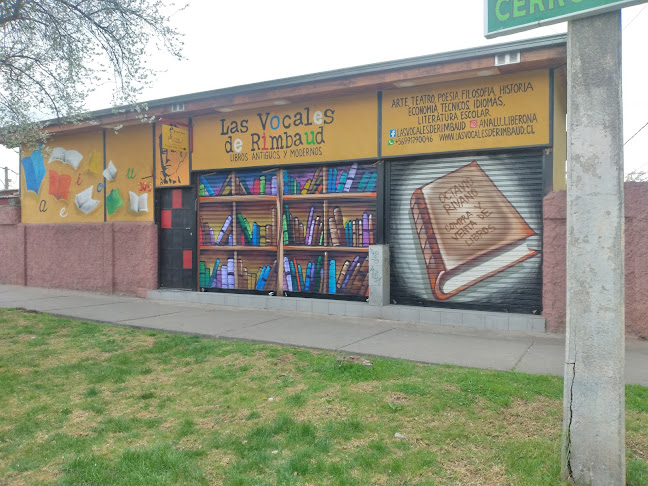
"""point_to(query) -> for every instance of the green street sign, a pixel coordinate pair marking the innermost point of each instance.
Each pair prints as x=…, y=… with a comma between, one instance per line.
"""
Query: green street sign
x=510, y=16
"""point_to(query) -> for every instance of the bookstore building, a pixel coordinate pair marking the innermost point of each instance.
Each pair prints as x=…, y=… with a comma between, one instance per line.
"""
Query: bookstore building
x=281, y=188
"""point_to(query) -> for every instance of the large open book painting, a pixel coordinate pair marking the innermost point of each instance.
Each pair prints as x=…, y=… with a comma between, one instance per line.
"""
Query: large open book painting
x=468, y=230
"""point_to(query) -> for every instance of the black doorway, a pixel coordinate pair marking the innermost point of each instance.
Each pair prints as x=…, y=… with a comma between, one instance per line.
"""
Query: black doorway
x=177, y=237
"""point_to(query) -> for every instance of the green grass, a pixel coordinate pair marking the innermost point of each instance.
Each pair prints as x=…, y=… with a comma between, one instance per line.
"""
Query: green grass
x=84, y=403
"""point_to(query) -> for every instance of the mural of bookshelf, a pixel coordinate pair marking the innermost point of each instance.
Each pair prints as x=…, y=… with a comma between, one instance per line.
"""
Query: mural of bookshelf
x=238, y=220
x=233, y=271
x=303, y=230
x=328, y=223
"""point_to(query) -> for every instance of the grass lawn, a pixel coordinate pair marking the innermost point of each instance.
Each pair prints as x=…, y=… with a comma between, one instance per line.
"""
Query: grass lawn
x=84, y=403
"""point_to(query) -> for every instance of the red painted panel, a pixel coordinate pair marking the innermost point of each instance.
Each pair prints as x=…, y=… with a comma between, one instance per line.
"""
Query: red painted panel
x=177, y=199
x=166, y=218
x=187, y=259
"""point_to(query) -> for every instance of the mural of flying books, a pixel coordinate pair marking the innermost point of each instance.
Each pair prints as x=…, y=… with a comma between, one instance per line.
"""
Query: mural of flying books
x=469, y=235
x=302, y=230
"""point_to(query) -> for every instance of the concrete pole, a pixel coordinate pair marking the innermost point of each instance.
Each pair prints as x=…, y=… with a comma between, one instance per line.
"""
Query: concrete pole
x=6, y=169
x=594, y=403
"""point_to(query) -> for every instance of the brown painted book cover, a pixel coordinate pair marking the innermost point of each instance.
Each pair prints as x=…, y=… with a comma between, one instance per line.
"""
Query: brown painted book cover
x=467, y=229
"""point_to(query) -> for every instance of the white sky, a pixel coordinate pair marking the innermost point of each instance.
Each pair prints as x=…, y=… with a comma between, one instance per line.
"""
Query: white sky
x=247, y=41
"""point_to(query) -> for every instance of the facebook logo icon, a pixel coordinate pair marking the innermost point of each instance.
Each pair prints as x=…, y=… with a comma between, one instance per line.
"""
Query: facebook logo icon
x=392, y=133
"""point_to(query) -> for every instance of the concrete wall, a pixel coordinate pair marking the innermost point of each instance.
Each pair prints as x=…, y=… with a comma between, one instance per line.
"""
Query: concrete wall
x=636, y=263
x=97, y=257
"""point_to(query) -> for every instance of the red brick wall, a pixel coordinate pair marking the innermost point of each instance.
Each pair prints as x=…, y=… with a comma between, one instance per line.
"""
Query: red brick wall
x=12, y=246
x=97, y=257
x=554, y=259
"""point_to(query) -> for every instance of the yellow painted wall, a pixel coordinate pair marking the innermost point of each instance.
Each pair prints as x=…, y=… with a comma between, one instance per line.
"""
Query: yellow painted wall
x=131, y=152
x=42, y=203
x=492, y=112
x=560, y=130
x=302, y=132
x=171, y=167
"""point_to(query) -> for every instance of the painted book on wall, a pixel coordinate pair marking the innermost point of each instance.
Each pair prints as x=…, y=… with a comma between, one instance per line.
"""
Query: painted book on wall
x=467, y=229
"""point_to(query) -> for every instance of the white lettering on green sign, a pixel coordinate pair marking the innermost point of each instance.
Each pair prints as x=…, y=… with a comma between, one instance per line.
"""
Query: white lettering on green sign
x=510, y=16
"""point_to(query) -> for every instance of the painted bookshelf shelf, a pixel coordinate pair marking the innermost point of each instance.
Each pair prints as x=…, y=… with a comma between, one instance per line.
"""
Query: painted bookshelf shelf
x=330, y=196
x=238, y=248
x=238, y=210
x=242, y=209
x=345, y=249
x=231, y=199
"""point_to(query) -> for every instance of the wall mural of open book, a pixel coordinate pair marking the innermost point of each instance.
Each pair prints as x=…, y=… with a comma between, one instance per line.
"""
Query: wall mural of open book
x=466, y=233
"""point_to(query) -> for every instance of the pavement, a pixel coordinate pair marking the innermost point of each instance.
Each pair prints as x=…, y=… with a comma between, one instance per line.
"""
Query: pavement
x=534, y=353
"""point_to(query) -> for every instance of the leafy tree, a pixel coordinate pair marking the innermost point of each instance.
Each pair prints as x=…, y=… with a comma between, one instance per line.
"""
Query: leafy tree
x=54, y=53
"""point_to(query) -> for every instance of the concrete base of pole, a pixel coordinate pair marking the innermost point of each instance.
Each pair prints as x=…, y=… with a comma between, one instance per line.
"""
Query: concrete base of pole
x=594, y=403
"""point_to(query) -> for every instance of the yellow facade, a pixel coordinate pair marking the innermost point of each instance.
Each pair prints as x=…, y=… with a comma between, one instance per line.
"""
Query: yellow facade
x=475, y=114
x=327, y=130
x=105, y=175
x=130, y=152
x=63, y=182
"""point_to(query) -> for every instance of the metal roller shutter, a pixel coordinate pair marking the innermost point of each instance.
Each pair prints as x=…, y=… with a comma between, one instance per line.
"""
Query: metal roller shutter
x=466, y=232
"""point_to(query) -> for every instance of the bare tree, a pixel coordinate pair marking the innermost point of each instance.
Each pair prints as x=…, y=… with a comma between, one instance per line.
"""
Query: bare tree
x=54, y=53
x=637, y=176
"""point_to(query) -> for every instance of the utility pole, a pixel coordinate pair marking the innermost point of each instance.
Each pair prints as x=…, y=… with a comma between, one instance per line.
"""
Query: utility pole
x=593, y=450
x=593, y=444
x=6, y=183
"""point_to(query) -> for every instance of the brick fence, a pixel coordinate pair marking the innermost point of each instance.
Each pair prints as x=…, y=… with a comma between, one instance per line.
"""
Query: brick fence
x=97, y=257
x=636, y=267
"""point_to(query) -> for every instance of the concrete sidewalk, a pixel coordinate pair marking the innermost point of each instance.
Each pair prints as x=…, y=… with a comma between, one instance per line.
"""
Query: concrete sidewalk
x=427, y=343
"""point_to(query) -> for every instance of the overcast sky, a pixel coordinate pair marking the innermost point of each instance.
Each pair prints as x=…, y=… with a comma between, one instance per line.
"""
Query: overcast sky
x=247, y=41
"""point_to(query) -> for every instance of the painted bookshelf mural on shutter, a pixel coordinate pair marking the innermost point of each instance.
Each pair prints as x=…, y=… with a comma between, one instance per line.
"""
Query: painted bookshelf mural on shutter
x=299, y=231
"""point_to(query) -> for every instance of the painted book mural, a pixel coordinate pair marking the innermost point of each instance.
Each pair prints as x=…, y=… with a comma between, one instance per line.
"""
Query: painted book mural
x=469, y=234
x=72, y=180
x=62, y=182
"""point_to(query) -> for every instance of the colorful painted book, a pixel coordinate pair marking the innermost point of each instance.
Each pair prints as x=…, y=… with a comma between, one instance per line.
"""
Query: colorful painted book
x=110, y=172
x=339, y=226
x=467, y=229
x=230, y=274
x=331, y=279
x=349, y=180
x=362, y=187
x=70, y=157
x=34, y=170
x=85, y=202
x=214, y=275
x=138, y=203
x=340, y=186
x=371, y=185
x=207, y=186
x=59, y=185
x=224, y=229
x=342, y=275
x=349, y=273
x=287, y=276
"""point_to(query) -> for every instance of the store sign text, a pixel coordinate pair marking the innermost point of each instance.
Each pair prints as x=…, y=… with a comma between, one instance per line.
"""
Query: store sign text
x=494, y=112
x=296, y=134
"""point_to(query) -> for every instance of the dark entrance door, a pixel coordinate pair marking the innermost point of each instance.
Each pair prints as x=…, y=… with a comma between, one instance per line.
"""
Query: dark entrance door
x=177, y=238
